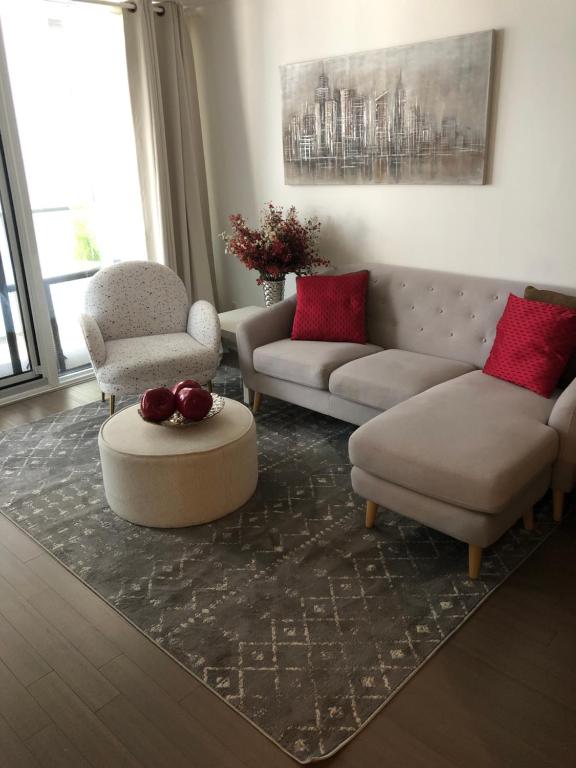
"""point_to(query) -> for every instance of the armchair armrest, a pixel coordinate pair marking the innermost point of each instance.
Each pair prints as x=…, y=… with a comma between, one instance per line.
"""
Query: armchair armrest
x=261, y=329
x=563, y=420
x=94, y=340
x=204, y=325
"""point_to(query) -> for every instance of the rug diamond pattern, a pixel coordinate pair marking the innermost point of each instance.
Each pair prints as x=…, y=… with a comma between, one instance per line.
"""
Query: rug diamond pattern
x=289, y=609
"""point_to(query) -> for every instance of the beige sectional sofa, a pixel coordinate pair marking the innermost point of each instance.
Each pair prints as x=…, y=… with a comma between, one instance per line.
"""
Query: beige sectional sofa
x=439, y=442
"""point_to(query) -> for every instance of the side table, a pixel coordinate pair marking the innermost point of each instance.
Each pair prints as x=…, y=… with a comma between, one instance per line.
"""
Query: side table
x=229, y=322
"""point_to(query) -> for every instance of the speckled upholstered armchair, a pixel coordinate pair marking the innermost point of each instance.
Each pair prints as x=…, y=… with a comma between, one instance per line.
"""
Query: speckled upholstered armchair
x=141, y=331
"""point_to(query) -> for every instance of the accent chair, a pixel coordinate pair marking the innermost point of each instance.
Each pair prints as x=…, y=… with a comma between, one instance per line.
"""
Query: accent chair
x=141, y=331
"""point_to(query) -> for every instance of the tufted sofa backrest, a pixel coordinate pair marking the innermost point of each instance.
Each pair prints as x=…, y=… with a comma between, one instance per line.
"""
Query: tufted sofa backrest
x=137, y=298
x=436, y=313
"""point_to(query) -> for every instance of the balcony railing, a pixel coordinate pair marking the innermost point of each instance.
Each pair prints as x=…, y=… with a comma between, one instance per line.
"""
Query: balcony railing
x=11, y=333
x=55, y=235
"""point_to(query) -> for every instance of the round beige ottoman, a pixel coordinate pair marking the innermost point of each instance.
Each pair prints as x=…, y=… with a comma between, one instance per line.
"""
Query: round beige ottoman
x=169, y=477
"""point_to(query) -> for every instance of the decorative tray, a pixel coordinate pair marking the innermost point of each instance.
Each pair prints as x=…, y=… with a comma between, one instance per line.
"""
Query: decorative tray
x=177, y=420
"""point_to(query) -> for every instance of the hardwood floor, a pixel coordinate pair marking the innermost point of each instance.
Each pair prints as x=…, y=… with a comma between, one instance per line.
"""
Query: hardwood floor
x=79, y=686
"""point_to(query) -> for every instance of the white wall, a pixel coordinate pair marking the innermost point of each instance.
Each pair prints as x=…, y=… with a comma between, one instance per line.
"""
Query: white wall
x=521, y=225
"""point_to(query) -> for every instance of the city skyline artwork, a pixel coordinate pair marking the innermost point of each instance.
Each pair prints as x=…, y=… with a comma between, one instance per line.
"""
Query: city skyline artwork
x=414, y=114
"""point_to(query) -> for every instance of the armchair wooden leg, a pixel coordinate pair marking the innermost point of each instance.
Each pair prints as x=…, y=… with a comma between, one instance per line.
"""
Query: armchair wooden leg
x=209, y=386
x=257, y=401
x=112, y=404
x=474, y=560
x=558, y=504
x=371, y=509
x=103, y=396
x=528, y=518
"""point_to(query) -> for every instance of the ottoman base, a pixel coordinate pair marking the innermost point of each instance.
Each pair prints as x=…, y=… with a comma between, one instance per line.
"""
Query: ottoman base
x=179, y=477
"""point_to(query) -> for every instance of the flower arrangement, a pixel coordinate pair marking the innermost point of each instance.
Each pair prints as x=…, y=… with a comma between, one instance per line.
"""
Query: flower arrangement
x=281, y=245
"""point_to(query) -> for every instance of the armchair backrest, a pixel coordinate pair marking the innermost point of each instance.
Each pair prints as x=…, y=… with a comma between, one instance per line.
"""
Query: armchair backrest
x=137, y=298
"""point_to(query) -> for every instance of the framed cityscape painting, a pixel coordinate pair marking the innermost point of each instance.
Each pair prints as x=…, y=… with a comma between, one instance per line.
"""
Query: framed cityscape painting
x=415, y=114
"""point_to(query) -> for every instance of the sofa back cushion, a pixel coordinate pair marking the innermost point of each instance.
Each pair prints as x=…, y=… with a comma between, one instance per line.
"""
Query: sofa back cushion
x=435, y=313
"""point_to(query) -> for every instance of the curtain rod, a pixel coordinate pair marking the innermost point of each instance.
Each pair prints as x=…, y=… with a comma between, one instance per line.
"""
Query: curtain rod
x=129, y=6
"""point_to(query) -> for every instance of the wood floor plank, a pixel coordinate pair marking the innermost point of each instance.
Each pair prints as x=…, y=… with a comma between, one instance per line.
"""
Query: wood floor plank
x=47, y=404
x=514, y=618
x=561, y=652
x=517, y=592
x=218, y=719
x=169, y=717
x=13, y=752
x=53, y=750
x=83, y=635
x=13, y=416
x=19, y=656
x=81, y=726
x=18, y=707
x=455, y=730
x=15, y=572
x=17, y=542
x=565, y=613
x=531, y=664
x=388, y=745
x=51, y=404
x=146, y=654
x=55, y=650
x=494, y=716
x=140, y=736
x=537, y=719
x=85, y=393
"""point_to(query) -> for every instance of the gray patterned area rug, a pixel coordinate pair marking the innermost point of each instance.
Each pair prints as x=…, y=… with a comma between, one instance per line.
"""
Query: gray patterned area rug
x=289, y=609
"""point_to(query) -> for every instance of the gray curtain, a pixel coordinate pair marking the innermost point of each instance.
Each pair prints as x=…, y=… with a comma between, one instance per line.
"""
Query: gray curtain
x=169, y=144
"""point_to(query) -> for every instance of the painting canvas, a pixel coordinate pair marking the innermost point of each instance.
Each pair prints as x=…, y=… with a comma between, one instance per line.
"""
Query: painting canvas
x=415, y=114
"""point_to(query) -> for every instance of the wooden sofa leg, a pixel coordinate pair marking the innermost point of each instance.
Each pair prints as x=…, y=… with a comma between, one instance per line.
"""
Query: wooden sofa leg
x=256, y=402
x=558, y=504
x=209, y=386
x=103, y=396
x=474, y=560
x=371, y=509
x=112, y=404
x=528, y=518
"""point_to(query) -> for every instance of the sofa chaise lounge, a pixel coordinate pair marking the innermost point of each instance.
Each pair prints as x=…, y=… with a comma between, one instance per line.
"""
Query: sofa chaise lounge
x=440, y=442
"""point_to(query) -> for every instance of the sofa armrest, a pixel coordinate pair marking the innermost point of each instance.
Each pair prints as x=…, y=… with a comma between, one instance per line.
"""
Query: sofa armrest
x=94, y=340
x=204, y=325
x=563, y=420
x=272, y=325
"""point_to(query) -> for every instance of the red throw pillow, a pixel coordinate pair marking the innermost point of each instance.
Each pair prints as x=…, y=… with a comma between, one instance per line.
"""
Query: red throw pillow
x=534, y=341
x=331, y=307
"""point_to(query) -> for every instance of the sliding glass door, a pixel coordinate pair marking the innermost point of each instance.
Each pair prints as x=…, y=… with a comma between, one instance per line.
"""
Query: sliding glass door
x=18, y=351
x=66, y=66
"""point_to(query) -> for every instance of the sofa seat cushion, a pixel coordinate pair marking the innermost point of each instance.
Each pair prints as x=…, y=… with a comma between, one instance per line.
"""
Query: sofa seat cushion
x=307, y=362
x=473, y=442
x=392, y=376
x=136, y=364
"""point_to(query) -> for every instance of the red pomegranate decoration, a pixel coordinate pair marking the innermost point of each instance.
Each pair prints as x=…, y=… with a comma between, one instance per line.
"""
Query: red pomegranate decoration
x=186, y=384
x=158, y=404
x=193, y=403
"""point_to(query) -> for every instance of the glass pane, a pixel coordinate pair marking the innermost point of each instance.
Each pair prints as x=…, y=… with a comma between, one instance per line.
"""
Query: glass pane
x=75, y=126
x=14, y=358
x=68, y=303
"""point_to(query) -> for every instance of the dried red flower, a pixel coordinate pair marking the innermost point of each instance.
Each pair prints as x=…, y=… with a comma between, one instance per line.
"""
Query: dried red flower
x=281, y=245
